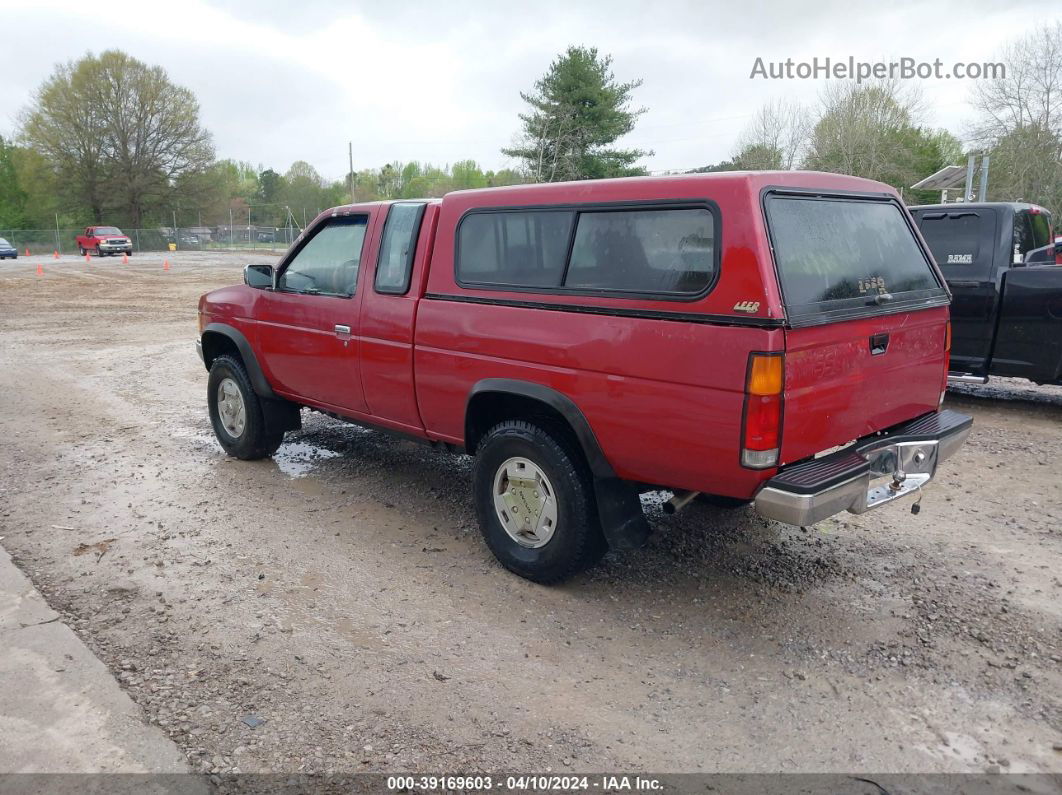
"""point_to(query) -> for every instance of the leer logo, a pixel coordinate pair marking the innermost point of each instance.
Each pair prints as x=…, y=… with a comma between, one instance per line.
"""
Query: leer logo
x=746, y=306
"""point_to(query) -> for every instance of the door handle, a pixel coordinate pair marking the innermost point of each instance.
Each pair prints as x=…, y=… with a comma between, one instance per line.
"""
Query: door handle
x=343, y=332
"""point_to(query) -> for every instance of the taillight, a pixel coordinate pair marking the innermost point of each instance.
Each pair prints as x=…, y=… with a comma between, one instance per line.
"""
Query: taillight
x=761, y=432
x=947, y=364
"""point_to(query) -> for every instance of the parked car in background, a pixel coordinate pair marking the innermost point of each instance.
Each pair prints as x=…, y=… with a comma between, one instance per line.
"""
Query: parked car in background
x=775, y=337
x=188, y=239
x=1006, y=312
x=7, y=251
x=1050, y=254
x=104, y=241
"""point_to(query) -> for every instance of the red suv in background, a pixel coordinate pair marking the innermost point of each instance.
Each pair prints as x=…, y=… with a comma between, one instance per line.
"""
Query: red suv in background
x=776, y=337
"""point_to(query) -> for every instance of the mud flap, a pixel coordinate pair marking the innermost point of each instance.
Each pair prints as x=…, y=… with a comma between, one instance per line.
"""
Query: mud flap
x=281, y=415
x=620, y=512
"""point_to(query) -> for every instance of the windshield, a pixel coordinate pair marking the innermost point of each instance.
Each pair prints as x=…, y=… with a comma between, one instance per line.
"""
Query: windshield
x=108, y=230
x=841, y=257
x=4, y=242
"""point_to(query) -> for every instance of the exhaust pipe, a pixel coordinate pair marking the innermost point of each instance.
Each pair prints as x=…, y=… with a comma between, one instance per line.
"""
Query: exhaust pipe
x=679, y=501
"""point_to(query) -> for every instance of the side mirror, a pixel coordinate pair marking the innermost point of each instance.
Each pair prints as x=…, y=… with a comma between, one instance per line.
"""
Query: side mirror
x=258, y=276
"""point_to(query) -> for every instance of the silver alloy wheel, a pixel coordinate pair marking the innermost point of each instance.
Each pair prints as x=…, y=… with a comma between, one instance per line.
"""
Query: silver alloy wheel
x=231, y=410
x=525, y=502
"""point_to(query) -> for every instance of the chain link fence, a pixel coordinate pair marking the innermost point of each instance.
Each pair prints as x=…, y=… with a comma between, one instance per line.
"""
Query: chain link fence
x=39, y=242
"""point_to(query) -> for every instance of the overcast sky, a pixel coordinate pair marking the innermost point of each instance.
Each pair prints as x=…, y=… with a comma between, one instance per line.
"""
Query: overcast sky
x=280, y=81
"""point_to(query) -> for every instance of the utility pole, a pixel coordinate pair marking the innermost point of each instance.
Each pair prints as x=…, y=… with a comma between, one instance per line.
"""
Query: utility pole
x=350, y=152
x=970, y=195
x=58, y=246
x=984, y=177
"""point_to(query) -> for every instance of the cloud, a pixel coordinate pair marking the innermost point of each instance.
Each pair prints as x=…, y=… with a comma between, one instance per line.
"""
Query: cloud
x=441, y=82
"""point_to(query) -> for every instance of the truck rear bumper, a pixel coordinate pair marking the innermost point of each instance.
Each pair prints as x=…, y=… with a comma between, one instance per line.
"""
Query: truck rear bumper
x=867, y=474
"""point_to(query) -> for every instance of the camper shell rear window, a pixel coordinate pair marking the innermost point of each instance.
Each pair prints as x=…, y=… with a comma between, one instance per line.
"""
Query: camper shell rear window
x=841, y=257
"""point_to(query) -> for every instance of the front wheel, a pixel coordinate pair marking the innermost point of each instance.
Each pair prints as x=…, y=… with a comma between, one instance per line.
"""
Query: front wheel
x=98, y=252
x=535, y=502
x=236, y=413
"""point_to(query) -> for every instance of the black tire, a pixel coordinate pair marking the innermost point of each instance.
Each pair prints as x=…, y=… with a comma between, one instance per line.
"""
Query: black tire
x=82, y=250
x=98, y=252
x=718, y=501
x=256, y=441
x=577, y=542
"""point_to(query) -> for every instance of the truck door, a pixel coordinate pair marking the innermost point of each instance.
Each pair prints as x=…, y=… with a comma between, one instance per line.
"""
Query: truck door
x=389, y=311
x=963, y=242
x=307, y=326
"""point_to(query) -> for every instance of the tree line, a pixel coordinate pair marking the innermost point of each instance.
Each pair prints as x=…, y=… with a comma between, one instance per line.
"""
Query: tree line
x=110, y=139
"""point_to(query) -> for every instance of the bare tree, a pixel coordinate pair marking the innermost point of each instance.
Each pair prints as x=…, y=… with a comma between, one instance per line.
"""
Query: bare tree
x=1020, y=120
x=1031, y=92
x=775, y=138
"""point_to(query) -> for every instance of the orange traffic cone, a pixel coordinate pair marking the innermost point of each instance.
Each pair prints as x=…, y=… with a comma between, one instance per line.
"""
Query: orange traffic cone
x=55, y=254
x=166, y=265
x=88, y=258
x=27, y=251
x=40, y=269
x=125, y=259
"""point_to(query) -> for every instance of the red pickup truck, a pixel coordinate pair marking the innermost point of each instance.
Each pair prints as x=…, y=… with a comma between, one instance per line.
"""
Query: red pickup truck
x=104, y=240
x=777, y=337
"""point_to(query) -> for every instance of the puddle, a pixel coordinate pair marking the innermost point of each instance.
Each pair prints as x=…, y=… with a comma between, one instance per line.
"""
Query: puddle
x=297, y=459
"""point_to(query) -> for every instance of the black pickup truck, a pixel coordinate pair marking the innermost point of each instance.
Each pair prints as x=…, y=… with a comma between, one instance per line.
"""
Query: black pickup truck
x=1006, y=310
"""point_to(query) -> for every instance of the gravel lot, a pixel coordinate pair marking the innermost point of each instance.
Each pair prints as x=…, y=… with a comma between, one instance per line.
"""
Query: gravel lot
x=340, y=597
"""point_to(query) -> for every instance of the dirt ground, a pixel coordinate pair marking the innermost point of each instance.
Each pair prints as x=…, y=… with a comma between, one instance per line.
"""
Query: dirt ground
x=340, y=597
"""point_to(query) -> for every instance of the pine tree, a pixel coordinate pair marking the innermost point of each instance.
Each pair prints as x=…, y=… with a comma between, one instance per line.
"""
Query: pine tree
x=577, y=111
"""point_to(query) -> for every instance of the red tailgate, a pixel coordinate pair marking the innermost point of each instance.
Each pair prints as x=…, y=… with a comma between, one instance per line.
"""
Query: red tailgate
x=838, y=389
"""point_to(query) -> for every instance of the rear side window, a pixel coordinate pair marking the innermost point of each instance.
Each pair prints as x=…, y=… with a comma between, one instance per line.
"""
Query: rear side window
x=397, y=247
x=846, y=257
x=667, y=251
x=516, y=248
x=644, y=251
x=954, y=238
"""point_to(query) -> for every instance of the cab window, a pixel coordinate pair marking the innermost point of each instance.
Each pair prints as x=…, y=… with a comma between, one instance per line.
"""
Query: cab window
x=328, y=263
x=399, y=242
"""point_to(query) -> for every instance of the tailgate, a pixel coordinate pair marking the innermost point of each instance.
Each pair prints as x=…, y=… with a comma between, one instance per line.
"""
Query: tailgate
x=849, y=379
x=867, y=313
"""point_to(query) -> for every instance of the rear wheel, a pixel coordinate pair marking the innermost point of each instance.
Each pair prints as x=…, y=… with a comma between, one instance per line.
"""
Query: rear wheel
x=236, y=413
x=535, y=502
x=82, y=250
